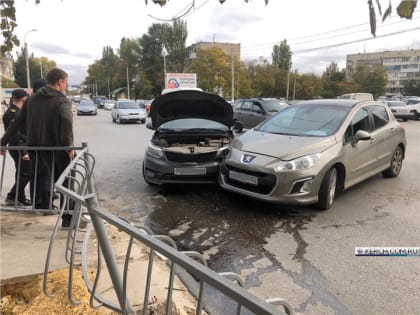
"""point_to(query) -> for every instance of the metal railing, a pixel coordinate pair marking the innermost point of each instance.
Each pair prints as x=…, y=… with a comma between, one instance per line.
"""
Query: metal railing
x=76, y=183
x=35, y=169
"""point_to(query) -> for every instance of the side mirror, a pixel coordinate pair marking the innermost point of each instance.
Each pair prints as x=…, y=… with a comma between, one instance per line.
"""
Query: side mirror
x=361, y=135
x=237, y=126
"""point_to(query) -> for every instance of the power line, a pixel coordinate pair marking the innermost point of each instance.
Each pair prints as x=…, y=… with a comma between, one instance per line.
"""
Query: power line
x=249, y=47
x=353, y=41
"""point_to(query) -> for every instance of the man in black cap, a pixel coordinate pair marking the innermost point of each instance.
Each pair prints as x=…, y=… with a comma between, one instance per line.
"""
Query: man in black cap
x=19, y=157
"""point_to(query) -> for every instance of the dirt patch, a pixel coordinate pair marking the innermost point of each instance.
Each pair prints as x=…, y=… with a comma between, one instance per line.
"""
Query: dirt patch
x=28, y=298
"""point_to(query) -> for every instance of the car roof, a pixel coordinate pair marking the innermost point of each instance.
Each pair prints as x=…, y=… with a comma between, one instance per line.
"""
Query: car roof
x=335, y=102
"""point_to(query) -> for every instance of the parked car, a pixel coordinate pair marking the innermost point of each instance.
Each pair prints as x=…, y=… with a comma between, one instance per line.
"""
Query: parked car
x=127, y=111
x=308, y=151
x=414, y=105
x=109, y=105
x=86, y=107
x=358, y=96
x=147, y=105
x=250, y=112
x=192, y=133
x=400, y=110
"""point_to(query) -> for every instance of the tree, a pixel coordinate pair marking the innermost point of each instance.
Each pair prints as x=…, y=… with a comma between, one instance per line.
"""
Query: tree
x=7, y=26
x=35, y=65
x=282, y=55
x=411, y=87
x=331, y=78
x=174, y=39
x=213, y=70
x=371, y=79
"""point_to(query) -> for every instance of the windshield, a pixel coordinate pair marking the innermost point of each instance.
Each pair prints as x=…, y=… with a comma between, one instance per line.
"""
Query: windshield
x=128, y=105
x=86, y=103
x=306, y=120
x=192, y=124
x=274, y=105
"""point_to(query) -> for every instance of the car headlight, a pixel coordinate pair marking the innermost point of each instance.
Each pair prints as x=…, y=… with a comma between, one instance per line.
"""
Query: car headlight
x=298, y=164
x=155, y=151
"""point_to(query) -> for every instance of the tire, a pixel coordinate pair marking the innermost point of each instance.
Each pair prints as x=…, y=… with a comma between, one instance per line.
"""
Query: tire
x=405, y=119
x=396, y=164
x=118, y=120
x=113, y=120
x=328, y=189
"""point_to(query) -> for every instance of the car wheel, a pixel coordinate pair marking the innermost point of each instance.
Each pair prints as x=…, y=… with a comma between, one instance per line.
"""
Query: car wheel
x=396, y=163
x=418, y=116
x=405, y=119
x=118, y=120
x=113, y=120
x=328, y=189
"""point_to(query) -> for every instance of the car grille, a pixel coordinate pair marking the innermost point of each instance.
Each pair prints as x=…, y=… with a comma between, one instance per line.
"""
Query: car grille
x=195, y=158
x=266, y=182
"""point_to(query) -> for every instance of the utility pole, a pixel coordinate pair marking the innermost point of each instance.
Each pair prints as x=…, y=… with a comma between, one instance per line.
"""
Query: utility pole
x=28, y=76
x=233, y=76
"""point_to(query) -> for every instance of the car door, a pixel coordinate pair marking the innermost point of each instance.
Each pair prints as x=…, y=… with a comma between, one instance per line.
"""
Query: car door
x=243, y=113
x=360, y=157
x=257, y=115
x=384, y=133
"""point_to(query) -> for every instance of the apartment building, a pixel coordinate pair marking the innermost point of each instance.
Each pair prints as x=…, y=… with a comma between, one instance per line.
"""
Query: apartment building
x=230, y=49
x=401, y=65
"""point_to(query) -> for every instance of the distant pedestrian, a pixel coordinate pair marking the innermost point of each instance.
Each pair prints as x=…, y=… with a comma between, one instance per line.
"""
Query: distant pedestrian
x=23, y=167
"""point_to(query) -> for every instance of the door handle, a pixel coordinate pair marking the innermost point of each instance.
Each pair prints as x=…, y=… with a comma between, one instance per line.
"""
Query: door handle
x=394, y=130
x=372, y=141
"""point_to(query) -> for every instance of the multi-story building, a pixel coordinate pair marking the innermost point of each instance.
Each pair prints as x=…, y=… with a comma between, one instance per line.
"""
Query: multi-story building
x=402, y=65
x=229, y=49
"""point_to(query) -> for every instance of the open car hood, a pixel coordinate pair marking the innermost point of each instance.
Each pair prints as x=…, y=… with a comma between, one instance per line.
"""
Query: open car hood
x=190, y=104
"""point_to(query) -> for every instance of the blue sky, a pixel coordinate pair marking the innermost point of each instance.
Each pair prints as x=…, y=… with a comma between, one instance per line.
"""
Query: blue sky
x=73, y=32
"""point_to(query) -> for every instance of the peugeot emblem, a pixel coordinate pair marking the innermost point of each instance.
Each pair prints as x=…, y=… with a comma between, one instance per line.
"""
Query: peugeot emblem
x=248, y=158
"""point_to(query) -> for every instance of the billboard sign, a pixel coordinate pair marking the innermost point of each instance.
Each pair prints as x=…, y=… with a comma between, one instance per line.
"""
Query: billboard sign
x=180, y=80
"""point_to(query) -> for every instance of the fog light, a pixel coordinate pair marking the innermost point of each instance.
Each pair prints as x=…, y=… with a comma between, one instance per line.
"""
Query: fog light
x=150, y=173
x=302, y=186
x=306, y=187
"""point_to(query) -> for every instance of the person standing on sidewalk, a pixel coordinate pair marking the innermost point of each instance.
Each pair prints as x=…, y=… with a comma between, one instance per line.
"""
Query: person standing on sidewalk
x=49, y=123
x=21, y=159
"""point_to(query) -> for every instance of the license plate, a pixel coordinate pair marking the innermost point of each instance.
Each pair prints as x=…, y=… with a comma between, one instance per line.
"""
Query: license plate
x=190, y=171
x=244, y=178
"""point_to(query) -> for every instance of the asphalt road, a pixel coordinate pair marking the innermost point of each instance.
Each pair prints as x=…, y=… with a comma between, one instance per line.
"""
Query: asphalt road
x=297, y=253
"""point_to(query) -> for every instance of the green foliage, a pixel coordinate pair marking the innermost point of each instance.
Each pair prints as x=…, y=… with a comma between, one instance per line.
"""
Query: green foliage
x=282, y=55
x=35, y=65
x=411, y=87
x=7, y=26
x=213, y=70
x=372, y=79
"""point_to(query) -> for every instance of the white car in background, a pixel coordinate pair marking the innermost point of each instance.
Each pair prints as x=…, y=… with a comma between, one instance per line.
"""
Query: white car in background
x=109, y=105
x=400, y=110
x=128, y=111
x=414, y=104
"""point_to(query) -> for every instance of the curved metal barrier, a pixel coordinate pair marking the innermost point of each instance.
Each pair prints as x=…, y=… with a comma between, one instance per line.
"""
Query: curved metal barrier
x=89, y=219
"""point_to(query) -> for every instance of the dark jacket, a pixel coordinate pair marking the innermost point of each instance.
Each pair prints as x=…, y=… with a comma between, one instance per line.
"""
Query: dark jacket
x=48, y=119
x=18, y=138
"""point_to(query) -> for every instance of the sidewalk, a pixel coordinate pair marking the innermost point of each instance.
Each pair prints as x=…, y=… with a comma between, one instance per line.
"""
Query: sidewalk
x=23, y=249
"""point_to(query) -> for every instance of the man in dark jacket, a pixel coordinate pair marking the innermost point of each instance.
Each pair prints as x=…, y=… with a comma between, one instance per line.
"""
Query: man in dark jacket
x=22, y=176
x=49, y=123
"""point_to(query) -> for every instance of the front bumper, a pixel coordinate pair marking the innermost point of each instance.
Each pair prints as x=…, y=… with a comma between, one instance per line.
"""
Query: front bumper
x=162, y=171
x=262, y=183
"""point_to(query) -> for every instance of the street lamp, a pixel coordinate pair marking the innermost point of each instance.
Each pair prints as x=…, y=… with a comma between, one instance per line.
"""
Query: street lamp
x=164, y=52
x=107, y=77
x=28, y=78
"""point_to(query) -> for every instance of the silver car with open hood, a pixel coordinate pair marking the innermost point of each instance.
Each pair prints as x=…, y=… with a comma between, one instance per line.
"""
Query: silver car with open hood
x=308, y=151
x=192, y=133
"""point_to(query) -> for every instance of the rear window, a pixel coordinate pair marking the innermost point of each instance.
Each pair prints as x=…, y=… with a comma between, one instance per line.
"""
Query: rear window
x=128, y=105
